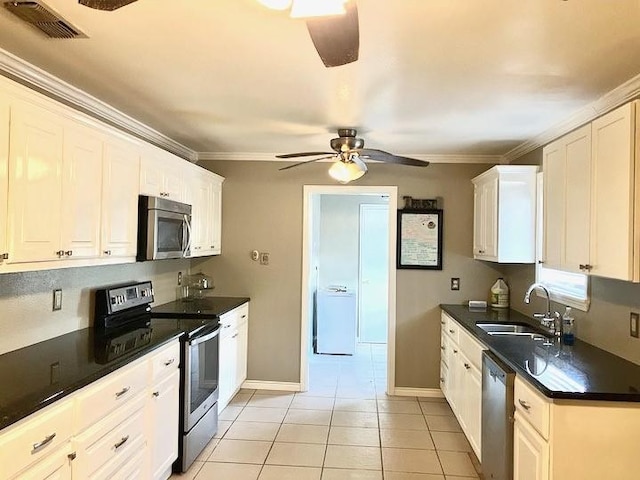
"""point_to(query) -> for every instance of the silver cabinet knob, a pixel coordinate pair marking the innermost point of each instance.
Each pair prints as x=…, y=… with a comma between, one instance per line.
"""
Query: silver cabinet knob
x=107, y=252
x=68, y=253
x=60, y=253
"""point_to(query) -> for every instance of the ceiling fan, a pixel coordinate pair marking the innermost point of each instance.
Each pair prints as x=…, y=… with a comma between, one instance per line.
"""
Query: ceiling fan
x=349, y=157
x=332, y=24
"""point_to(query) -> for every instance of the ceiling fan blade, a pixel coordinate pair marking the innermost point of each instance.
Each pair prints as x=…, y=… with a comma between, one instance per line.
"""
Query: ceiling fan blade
x=358, y=161
x=336, y=38
x=108, y=5
x=307, y=161
x=303, y=154
x=387, y=157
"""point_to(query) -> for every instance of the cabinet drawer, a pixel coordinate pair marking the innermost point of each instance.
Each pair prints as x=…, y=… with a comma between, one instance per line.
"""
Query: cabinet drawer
x=235, y=317
x=471, y=348
x=533, y=406
x=99, y=399
x=451, y=327
x=165, y=361
x=113, y=439
x=35, y=437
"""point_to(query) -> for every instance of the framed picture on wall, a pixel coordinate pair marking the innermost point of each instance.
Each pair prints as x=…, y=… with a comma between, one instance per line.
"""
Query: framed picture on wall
x=419, y=239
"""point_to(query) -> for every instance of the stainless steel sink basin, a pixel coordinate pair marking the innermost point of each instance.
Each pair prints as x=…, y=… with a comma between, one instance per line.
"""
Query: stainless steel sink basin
x=511, y=330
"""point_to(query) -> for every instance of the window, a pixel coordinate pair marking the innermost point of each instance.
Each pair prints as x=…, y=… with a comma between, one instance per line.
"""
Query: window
x=565, y=287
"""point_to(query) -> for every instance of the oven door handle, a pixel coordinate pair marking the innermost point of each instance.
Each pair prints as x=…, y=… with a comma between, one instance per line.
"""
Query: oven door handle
x=203, y=338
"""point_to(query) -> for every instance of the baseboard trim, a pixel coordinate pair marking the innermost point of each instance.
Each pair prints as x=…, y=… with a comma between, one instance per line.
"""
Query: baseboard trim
x=267, y=385
x=418, y=392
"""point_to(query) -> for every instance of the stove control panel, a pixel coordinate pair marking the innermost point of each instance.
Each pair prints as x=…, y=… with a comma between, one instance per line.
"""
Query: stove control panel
x=123, y=297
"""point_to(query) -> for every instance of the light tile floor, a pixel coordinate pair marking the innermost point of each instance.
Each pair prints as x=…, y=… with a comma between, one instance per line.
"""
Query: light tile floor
x=344, y=428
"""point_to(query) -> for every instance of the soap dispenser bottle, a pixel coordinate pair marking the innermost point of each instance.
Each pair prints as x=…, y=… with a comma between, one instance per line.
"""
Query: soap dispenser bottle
x=568, y=327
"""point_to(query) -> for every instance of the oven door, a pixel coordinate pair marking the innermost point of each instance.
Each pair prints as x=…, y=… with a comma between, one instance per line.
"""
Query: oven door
x=201, y=376
x=170, y=235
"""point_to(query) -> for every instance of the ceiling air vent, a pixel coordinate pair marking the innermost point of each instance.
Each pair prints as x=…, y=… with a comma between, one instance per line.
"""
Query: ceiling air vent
x=44, y=19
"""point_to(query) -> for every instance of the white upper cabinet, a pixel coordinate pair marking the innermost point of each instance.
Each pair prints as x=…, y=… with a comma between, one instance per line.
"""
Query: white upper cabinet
x=615, y=193
x=161, y=175
x=120, y=186
x=4, y=174
x=592, y=198
x=504, y=214
x=81, y=193
x=35, y=184
x=567, y=201
x=206, y=201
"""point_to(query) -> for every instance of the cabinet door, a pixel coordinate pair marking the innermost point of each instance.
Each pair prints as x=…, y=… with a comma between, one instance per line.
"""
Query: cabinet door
x=151, y=175
x=4, y=174
x=241, y=358
x=81, y=193
x=613, y=194
x=35, y=185
x=215, y=232
x=530, y=453
x=455, y=379
x=577, y=199
x=164, y=414
x=228, y=367
x=473, y=406
x=490, y=216
x=120, y=184
x=199, y=215
x=478, y=220
x=554, y=173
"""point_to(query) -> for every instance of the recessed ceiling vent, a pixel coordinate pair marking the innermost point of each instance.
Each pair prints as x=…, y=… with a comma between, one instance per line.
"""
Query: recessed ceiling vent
x=44, y=19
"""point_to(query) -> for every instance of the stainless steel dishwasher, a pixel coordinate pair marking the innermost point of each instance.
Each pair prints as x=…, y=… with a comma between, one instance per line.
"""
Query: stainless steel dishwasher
x=497, y=418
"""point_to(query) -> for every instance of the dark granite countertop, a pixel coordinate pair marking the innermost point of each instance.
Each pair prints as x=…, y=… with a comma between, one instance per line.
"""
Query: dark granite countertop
x=40, y=374
x=207, y=307
x=580, y=371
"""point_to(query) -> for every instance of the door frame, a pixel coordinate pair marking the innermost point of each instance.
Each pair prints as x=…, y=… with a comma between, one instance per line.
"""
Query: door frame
x=309, y=192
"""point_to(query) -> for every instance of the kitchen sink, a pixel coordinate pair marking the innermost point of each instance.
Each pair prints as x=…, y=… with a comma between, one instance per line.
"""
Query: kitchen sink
x=511, y=330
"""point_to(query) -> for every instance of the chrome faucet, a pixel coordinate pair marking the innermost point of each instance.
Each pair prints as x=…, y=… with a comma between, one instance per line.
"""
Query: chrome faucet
x=549, y=319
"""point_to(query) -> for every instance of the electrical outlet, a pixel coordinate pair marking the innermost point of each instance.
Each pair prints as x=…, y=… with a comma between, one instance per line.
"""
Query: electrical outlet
x=633, y=324
x=57, y=299
x=264, y=258
x=255, y=255
x=455, y=283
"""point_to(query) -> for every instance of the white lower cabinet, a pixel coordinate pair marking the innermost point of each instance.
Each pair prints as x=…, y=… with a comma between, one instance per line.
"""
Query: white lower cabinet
x=123, y=427
x=460, y=368
x=164, y=403
x=233, y=353
x=573, y=439
x=56, y=466
x=530, y=452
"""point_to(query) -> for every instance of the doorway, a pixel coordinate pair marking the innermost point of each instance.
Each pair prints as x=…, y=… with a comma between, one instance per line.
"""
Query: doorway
x=375, y=303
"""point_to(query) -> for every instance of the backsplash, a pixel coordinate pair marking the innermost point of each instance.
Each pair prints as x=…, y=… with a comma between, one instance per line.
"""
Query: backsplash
x=26, y=315
x=605, y=325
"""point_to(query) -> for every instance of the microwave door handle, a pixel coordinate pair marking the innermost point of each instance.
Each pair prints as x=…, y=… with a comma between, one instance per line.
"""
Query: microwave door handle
x=187, y=230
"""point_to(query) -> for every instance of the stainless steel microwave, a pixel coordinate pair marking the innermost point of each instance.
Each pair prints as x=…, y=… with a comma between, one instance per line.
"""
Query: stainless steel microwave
x=164, y=229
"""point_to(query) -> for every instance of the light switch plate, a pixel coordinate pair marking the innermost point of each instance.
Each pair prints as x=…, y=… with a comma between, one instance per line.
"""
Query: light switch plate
x=57, y=299
x=633, y=324
x=264, y=258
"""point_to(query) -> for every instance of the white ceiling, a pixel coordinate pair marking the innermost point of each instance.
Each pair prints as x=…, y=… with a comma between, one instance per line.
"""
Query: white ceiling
x=434, y=76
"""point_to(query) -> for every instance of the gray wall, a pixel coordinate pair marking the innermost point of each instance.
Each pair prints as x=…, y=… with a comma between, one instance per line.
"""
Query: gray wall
x=26, y=315
x=606, y=324
x=263, y=210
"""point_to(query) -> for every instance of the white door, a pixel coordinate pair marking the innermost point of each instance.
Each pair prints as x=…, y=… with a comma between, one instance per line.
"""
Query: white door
x=374, y=273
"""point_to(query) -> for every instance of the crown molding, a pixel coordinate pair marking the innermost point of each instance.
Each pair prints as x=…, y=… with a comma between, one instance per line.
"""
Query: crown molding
x=37, y=79
x=271, y=157
x=610, y=100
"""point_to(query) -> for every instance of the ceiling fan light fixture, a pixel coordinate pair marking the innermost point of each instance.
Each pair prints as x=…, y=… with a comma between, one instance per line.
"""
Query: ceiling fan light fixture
x=276, y=4
x=107, y=5
x=345, y=172
x=316, y=8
